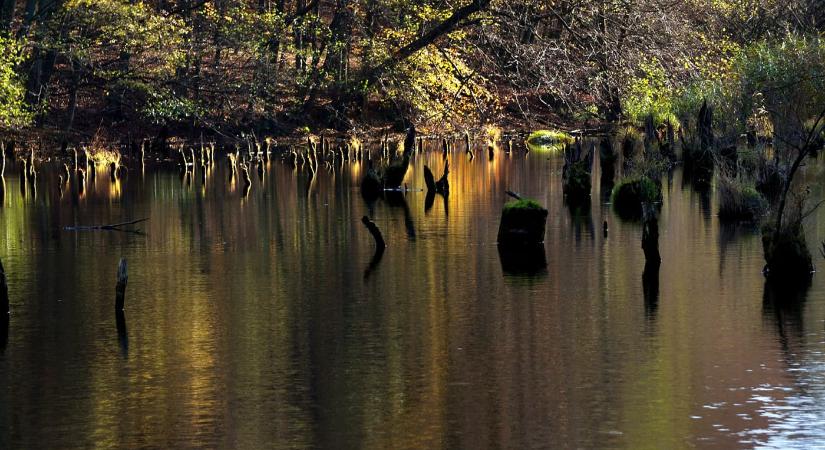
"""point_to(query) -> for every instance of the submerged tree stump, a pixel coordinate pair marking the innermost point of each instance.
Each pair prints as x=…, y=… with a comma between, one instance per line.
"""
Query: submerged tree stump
x=576, y=182
x=650, y=236
x=120, y=289
x=787, y=257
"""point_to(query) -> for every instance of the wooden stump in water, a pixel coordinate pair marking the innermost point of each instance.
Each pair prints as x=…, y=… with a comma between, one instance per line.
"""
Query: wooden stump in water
x=650, y=236
x=120, y=289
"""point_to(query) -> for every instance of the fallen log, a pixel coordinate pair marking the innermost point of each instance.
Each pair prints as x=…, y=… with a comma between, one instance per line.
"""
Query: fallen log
x=110, y=227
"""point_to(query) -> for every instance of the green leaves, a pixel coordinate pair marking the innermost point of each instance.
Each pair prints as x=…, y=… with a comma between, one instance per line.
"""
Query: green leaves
x=13, y=111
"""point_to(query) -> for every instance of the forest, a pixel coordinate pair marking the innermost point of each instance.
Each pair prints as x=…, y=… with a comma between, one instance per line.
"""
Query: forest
x=72, y=69
x=412, y=224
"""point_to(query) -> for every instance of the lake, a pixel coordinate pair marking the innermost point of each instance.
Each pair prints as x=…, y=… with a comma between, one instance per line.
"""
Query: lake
x=259, y=321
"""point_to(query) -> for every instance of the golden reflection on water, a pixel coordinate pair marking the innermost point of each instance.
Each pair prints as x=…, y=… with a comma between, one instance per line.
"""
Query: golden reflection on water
x=251, y=324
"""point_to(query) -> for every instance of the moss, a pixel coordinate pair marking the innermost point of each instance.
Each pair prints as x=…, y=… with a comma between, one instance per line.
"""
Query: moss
x=524, y=203
x=548, y=140
x=630, y=193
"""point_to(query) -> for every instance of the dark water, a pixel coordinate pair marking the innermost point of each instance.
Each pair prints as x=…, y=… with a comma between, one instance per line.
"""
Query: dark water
x=257, y=322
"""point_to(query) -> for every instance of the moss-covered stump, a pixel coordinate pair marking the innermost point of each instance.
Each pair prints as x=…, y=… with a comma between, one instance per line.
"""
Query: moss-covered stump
x=577, y=183
x=786, y=254
x=522, y=223
x=631, y=193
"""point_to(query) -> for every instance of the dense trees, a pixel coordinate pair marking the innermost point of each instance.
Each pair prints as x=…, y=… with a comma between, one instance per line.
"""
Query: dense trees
x=78, y=65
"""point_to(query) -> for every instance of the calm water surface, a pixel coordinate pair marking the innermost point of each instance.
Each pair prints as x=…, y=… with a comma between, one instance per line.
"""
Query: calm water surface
x=258, y=322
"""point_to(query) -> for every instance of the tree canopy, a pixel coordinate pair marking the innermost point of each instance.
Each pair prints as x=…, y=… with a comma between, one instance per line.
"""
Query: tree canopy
x=78, y=65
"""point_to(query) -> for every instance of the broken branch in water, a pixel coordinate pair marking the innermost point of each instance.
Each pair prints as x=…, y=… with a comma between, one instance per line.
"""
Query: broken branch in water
x=111, y=227
x=513, y=194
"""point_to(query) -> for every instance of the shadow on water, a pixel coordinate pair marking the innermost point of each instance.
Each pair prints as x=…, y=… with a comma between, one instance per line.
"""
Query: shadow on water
x=399, y=200
x=429, y=201
x=582, y=219
x=376, y=259
x=699, y=182
x=650, y=290
x=122, y=332
x=527, y=260
x=784, y=304
x=4, y=332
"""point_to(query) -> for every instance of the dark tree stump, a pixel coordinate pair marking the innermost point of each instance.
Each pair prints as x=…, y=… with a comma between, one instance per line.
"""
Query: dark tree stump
x=120, y=289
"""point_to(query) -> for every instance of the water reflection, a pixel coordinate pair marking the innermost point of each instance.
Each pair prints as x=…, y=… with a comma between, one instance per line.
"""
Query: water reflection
x=251, y=324
x=122, y=332
x=523, y=260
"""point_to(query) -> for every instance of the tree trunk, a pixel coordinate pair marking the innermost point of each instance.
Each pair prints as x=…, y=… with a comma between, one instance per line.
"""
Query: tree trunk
x=73, y=87
x=448, y=25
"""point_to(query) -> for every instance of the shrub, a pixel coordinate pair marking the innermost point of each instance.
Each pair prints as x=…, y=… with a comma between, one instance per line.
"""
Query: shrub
x=739, y=200
x=630, y=193
x=13, y=112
